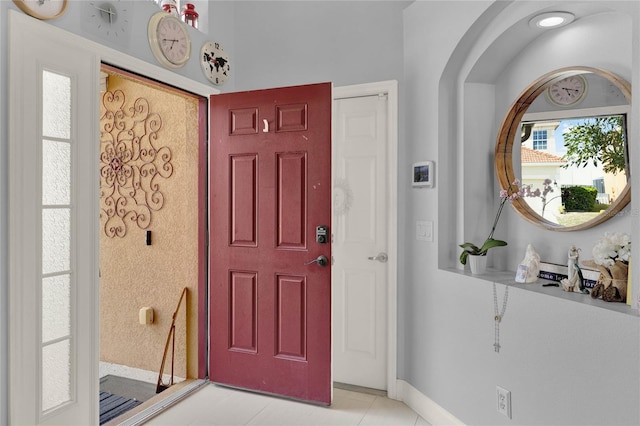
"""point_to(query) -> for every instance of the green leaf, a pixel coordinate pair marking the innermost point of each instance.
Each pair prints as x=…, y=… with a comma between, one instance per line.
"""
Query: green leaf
x=491, y=243
x=469, y=248
x=472, y=248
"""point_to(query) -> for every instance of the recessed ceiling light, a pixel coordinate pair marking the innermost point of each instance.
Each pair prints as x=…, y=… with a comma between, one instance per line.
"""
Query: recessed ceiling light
x=551, y=20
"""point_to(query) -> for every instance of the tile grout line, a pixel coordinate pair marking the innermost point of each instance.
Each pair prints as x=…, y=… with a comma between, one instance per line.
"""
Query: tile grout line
x=368, y=409
x=258, y=413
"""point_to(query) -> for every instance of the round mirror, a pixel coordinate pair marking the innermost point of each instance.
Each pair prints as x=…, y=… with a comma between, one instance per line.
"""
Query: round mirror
x=565, y=140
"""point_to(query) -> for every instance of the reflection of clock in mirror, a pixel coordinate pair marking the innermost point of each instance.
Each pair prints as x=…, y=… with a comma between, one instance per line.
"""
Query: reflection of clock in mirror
x=568, y=91
x=215, y=63
x=107, y=19
x=42, y=9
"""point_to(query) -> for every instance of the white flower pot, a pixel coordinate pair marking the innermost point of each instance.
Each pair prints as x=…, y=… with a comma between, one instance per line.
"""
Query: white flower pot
x=478, y=264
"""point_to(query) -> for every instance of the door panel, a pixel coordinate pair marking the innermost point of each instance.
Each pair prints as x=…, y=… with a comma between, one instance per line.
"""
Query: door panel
x=360, y=287
x=243, y=179
x=359, y=296
x=291, y=200
x=270, y=187
x=243, y=295
x=291, y=318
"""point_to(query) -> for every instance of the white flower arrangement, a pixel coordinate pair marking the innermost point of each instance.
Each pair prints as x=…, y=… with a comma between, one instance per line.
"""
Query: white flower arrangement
x=612, y=247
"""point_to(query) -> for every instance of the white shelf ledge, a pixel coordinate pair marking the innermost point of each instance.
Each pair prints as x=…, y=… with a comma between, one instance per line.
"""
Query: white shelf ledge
x=508, y=278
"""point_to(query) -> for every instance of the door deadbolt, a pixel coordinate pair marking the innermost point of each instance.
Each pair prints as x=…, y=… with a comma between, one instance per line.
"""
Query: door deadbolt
x=322, y=234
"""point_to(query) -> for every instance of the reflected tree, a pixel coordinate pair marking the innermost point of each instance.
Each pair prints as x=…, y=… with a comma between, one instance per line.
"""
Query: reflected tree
x=598, y=140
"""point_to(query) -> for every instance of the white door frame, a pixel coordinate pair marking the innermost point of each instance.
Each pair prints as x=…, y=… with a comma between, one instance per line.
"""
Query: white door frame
x=34, y=385
x=54, y=35
x=389, y=88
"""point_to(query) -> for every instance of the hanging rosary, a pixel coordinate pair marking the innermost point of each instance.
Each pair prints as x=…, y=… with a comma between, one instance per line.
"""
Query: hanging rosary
x=498, y=316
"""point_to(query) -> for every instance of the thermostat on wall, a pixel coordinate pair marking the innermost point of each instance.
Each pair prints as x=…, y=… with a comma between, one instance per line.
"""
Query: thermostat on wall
x=422, y=174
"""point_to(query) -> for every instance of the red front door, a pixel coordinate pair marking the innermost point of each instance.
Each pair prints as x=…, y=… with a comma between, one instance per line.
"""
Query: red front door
x=270, y=188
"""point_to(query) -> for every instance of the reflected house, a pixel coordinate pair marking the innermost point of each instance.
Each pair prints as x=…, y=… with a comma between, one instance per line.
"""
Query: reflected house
x=537, y=166
x=542, y=159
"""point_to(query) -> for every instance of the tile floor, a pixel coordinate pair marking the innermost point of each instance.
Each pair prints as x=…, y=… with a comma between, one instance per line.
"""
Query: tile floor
x=215, y=405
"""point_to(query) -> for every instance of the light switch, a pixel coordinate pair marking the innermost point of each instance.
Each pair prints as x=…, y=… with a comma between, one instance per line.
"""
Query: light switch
x=424, y=230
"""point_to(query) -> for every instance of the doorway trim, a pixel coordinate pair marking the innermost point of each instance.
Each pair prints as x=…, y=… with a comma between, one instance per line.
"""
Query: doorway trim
x=101, y=54
x=390, y=89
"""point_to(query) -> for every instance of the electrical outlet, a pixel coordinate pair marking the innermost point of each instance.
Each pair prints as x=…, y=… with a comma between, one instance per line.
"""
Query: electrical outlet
x=504, y=401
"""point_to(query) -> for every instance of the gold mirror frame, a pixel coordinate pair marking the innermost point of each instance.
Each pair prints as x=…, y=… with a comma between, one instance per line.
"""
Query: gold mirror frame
x=506, y=137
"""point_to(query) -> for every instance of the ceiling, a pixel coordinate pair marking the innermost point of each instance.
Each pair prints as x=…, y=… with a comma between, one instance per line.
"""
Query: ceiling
x=511, y=42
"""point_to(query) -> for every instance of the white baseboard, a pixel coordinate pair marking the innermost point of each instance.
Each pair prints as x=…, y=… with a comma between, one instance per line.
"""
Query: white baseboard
x=107, y=368
x=423, y=405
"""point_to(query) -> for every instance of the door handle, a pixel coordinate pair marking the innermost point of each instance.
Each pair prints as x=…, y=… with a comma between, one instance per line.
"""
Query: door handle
x=380, y=257
x=320, y=260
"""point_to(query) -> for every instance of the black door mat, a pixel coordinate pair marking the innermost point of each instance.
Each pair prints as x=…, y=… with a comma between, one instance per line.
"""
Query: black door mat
x=128, y=388
x=111, y=406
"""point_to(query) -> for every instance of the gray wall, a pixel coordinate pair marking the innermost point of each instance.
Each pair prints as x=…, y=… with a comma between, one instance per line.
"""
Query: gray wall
x=553, y=343
x=290, y=43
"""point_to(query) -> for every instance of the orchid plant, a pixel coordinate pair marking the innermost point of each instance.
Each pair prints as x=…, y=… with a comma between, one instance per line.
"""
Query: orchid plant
x=510, y=194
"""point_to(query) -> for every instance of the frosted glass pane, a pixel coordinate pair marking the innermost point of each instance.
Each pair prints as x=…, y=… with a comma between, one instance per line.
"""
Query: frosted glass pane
x=56, y=240
x=56, y=301
x=56, y=173
x=56, y=374
x=56, y=105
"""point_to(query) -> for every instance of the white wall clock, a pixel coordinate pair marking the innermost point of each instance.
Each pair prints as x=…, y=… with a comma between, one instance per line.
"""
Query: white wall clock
x=568, y=91
x=169, y=40
x=42, y=9
x=215, y=63
x=109, y=19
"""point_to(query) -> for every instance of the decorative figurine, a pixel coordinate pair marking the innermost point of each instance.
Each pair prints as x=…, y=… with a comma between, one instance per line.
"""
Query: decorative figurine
x=574, y=281
x=572, y=261
x=170, y=7
x=189, y=15
x=532, y=262
x=612, y=283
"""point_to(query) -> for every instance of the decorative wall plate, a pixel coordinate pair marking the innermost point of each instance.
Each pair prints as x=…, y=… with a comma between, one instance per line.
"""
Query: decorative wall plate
x=215, y=63
x=109, y=19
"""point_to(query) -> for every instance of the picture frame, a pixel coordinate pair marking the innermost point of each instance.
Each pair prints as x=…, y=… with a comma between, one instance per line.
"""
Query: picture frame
x=422, y=174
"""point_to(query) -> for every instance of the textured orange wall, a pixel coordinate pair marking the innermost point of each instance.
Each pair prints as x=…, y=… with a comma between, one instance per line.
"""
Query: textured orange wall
x=133, y=274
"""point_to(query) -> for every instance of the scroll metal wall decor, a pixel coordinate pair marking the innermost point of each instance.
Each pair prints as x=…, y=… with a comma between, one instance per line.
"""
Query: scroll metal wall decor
x=132, y=164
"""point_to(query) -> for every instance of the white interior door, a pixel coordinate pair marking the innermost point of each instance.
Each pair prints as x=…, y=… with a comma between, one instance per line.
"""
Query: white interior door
x=360, y=245
x=53, y=222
